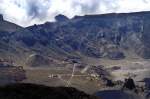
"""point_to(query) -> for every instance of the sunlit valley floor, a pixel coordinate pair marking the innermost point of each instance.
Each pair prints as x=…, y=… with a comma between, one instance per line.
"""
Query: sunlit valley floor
x=86, y=78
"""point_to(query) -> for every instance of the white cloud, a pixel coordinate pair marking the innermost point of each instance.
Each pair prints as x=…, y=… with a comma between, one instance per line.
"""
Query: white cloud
x=133, y=5
x=12, y=11
x=28, y=12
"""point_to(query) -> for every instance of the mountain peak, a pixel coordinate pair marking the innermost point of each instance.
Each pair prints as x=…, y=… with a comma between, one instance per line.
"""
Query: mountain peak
x=61, y=18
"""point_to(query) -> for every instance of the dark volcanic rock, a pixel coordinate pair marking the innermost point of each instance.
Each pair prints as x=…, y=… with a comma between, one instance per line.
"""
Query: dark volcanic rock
x=129, y=84
x=32, y=91
x=1, y=17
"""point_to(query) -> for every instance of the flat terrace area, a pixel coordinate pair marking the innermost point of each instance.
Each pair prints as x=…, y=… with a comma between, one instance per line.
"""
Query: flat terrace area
x=54, y=77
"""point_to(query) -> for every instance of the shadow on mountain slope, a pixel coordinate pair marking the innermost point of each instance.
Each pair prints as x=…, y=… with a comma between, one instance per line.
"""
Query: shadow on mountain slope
x=32, y=91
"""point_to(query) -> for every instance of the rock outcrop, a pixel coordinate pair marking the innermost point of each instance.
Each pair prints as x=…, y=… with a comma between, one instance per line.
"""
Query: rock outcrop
x=1, y=17
x=61, y=18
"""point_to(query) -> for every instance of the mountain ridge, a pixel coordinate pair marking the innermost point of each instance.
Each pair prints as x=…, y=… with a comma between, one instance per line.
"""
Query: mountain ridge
x=8, y=26
x=100, y=36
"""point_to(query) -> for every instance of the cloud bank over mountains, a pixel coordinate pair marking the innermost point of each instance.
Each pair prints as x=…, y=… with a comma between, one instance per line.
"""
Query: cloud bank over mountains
x=29, y=12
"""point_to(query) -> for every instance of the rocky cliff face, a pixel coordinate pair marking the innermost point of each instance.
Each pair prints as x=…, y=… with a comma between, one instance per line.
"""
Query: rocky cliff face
x=102, y=36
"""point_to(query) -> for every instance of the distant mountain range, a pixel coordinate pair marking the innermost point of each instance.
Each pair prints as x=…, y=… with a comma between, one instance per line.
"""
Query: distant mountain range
x=114, y=36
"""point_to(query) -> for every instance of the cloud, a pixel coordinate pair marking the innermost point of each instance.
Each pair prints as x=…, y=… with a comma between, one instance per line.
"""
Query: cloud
x=29, y=12
x=86, y=6
x=37, y=8
x=25, y=12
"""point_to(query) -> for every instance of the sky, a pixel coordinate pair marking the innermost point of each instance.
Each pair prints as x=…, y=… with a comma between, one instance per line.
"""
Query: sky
x=29, y=12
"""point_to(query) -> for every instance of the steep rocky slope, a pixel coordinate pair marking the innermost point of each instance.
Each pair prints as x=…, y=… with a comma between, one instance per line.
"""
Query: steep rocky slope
x=113, y=36
x=7, y=26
